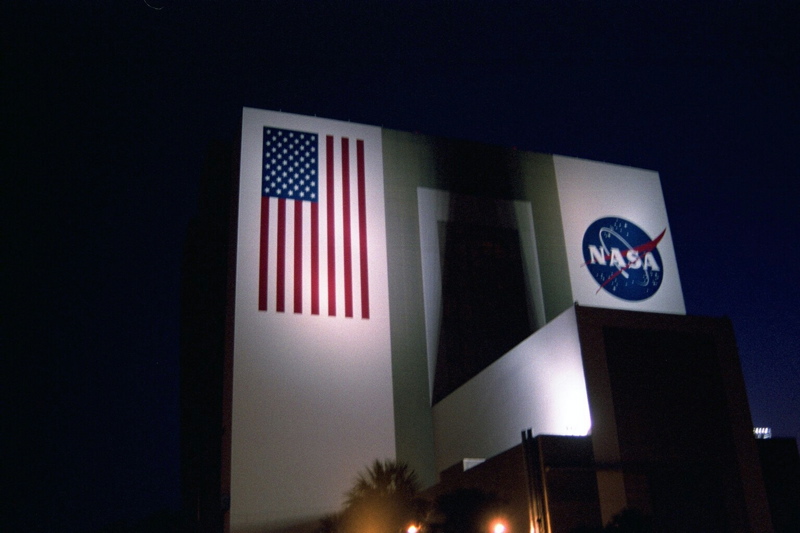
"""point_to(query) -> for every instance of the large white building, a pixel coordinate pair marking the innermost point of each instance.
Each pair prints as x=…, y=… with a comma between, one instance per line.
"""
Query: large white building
x=403, y=296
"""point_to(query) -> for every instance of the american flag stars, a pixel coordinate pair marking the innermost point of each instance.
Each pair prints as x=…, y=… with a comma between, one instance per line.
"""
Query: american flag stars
x=290, y=164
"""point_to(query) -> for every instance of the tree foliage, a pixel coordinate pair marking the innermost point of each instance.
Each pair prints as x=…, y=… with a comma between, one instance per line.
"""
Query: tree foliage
x=384, y=479
x=383, y=499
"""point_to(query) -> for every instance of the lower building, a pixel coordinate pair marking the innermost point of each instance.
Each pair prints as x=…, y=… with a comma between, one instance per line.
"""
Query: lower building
x=780, y=464
x=671, y=435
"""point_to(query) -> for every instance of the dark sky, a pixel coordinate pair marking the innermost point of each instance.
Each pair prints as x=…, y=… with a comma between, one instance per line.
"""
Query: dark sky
x=109, y=108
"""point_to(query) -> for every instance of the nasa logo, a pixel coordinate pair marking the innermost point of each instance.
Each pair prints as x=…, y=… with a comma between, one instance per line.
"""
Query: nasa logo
x=622, y=258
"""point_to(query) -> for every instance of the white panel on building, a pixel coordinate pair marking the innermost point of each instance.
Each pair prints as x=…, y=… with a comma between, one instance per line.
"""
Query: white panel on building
x=539, y=385
x=312, y=384
x=619, y=245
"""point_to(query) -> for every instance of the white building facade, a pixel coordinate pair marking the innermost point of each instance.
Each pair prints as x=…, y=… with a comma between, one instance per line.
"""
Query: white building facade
x=394, y=292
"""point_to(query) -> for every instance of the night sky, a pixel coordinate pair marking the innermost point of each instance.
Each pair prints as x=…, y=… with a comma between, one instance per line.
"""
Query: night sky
x=109, y=109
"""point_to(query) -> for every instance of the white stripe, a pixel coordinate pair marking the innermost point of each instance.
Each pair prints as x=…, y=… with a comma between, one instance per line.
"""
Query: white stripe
x=323, y=228
x=338, y=224
x=355, y=236
x=306, y=257
x=289, y=258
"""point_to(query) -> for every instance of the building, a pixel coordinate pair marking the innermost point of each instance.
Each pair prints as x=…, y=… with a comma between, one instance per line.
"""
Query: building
x=394, y=295
x=780, y=464
x=670, y=437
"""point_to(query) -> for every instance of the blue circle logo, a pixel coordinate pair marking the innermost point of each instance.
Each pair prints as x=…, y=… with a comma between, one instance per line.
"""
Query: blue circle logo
x=623, y=259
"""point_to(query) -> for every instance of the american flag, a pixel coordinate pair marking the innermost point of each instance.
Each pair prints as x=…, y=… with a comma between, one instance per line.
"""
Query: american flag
x=313, y=243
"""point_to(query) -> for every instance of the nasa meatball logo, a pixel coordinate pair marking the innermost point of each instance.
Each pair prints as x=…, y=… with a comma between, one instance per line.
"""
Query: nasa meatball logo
x=623, y=259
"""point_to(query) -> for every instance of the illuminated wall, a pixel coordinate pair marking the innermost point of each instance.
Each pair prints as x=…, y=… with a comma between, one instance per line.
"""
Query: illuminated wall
x=344, y=348
x=550, y=201
x=588, y=191
x=312, y=393
x=539, y=385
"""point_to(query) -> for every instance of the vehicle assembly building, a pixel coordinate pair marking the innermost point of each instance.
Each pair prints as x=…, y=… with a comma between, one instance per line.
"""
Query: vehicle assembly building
x=395, y=295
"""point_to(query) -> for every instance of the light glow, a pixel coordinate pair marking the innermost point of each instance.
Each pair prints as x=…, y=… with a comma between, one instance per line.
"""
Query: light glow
x=762, y=433
x=499, y=527
x=538, y=384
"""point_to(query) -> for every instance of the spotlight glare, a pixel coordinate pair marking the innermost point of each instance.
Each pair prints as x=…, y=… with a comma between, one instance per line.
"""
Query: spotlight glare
x=499, y=527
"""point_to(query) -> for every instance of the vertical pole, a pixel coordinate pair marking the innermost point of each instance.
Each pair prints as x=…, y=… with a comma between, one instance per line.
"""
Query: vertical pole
x=537, y=510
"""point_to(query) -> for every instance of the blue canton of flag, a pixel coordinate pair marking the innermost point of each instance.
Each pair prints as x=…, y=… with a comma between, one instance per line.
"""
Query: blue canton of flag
x=290, y=165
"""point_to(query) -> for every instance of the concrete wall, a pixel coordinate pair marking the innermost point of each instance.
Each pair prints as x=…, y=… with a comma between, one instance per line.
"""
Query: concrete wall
x=671, y=420
x=588, y=191
x=315, y=398
x=312, y=394
x=538, y=385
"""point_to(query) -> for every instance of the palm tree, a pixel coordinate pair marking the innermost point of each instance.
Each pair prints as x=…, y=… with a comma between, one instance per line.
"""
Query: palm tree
x=383, y=499
x=384, y=479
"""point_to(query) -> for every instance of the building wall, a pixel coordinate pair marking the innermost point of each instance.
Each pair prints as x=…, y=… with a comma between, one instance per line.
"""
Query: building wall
x=671, y=434
x=501, y=484
x=538, y=385
x=315, y=398
x=671, y=423
x=407, y=163
x=550, y=200
x=427, y=181
x=780, y=463
x=541, y=188
x=312, y=396
x=557, y=473
x=588, y=191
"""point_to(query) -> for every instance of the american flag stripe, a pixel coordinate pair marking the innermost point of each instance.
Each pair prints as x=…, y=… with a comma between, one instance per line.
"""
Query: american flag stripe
x=331, y=232
x=314, y=258
x=281, y=256
x=348, y=267
x=362, y=228
x=298, y=237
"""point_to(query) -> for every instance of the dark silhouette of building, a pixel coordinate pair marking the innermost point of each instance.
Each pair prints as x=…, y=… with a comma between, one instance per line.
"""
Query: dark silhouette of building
x=780, y=464
x=204, y=322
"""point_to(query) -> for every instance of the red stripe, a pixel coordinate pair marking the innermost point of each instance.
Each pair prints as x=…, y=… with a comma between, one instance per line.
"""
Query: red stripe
x=263, y=255
x=314, y=258
x=298, y=257
x=362, y=229
x=348, y=265
x=331, y=233
x=281, y=267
